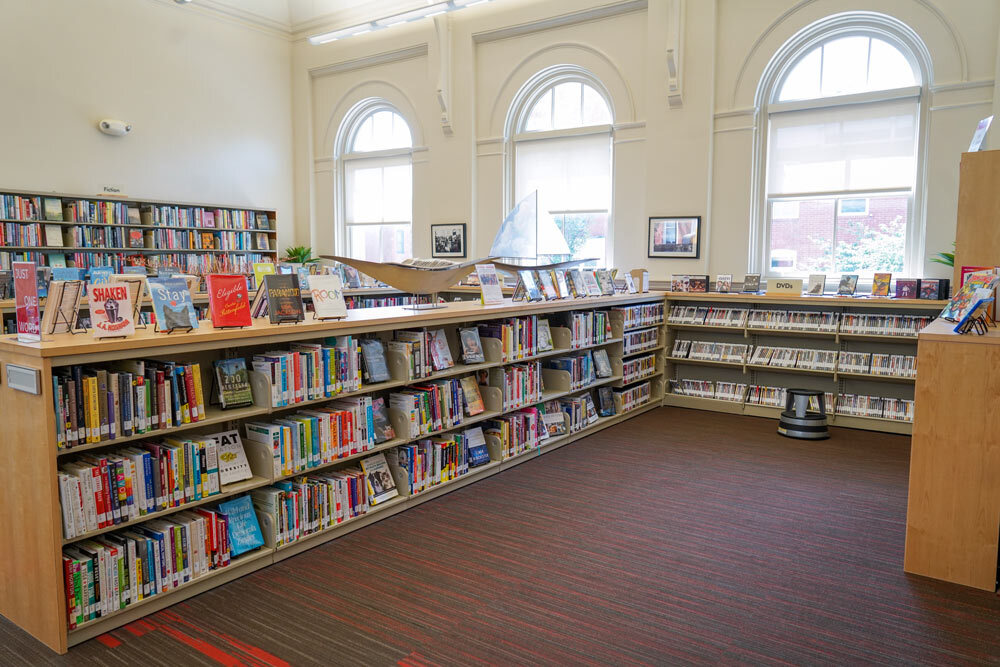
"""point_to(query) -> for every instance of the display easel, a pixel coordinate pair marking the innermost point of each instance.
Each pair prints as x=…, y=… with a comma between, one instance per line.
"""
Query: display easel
x=71, y=327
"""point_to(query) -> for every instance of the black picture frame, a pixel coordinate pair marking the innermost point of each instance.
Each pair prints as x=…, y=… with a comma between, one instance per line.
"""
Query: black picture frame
x=663, y=228
x=448, y=240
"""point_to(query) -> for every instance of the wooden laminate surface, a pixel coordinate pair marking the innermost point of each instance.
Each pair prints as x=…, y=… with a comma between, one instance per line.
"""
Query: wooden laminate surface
x=741, y=298
x=953, y=512
x=977, y=234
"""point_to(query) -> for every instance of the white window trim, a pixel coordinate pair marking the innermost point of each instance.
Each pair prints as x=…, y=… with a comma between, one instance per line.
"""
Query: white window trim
x=517, y=116
x=346, y=134
x=868, y=24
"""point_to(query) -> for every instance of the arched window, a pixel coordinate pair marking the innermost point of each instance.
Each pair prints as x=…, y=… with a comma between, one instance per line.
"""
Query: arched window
x=840, y=160
x=375, y=160
x=559, y=143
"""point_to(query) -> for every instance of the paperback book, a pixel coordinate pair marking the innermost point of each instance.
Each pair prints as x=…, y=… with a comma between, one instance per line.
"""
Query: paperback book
x=590, y=283
x=327, y=293
x=378, y=479
x=284, y=299
x=473, y=398
x=489, y=284
x=233, y=381
x=440, y=351
x=605, y=282
x=547, y=285
x=261, y=269
x=373, y=358
x=233, y=464
x=479, y=453
x=531, y=291
x=111, y=311
x=561, y=284
x=172, y=304
x=602, y=365
x=544, y=336
x=472, y=346
x=228, y=300
x=244, y=530
x=605, y=402
x=380, y=418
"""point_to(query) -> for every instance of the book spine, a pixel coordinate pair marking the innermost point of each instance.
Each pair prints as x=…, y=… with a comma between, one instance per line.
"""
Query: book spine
x=199, y=395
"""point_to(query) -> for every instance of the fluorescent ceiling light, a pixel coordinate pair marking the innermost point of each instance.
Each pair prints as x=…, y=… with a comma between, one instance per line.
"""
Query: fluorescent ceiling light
x=388, y=21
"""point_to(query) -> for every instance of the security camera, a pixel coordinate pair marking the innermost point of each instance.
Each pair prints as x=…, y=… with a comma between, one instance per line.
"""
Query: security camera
x=116, y=128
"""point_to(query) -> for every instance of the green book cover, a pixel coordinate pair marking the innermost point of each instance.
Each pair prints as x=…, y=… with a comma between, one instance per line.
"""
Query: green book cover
x=233, y=381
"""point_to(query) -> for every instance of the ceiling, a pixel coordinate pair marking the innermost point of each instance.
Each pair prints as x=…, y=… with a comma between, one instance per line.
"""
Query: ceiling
x=294, y=16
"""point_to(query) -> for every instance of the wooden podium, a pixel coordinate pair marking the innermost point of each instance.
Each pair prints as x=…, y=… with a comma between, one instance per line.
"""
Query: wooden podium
x=953, y=512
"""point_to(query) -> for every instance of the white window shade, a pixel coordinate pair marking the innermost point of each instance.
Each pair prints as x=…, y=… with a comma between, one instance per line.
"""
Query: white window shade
x=843, y=148
x=570, y=173
x=378, y=190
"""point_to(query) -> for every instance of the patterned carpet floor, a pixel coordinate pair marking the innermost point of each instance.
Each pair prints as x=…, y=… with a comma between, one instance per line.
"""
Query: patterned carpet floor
x=678, y=537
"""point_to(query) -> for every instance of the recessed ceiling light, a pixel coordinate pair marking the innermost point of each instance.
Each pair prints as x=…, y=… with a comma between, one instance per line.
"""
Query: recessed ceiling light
x=432, y=9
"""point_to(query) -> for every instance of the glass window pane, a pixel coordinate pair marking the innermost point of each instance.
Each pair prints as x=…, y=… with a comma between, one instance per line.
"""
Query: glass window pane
x=802, y=83
x=801, y=237
x=845, y=66
x=595, y=108
x=381, y=130
x=888, y=68
x=379, y=243
x=364, y=194
x=397, y=183
x=364, y=139
x=874, y=238
x=540, y=118
x=568, y=105
x=586, y=235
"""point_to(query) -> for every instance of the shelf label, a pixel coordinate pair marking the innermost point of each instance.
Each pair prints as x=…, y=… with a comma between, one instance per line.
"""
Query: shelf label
x=784, y=286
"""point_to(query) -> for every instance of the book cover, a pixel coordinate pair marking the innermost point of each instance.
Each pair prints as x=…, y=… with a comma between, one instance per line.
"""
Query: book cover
x=327, y=293
x=233, y=464
x=29, y=325
x=930, y=288
x=472, y=346
x=489, y=284
x=751, y=282
x=373, y=356
x=111, y=310
x=473, y=398
x=99, y=275
x=977, y=285
x=303, y=273
x=52, y=209
x=630, y=284
x=228, y=300
x=907, y=288
x=679, y=283
x=135, y=238
x=544, y=336
x=352, y=277
x=561, y=284
x=698, y=284
x=547, y=285
x=880, y=284
x=816, y=284
x=479, y=453
x=602, y=365
x=606, y=283
x=605, y=402
x=383, y=427
x=242, y=527
x=53, y=236
x=261, y=269
x=530, y=286
x=284, y=299
x=590, y=283
x=207, y=241
x=555, y=423
x=966, y=270
x=440, y=352
x=848, y=283
x=576, y=289
x=378, y=479
x=172, y=304
x=233, y=380
x=723, y=283
x=134, y=216
x=262, y=220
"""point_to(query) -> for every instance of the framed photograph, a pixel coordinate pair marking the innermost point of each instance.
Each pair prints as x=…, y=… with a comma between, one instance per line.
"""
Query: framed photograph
x=448, y=240
x=678, y=238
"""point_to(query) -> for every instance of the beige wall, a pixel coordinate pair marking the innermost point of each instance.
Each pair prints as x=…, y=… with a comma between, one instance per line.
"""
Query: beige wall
x=692, y=160
x=209, y=100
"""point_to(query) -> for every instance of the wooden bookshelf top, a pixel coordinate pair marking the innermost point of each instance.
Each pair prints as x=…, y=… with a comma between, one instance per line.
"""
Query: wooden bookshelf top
x=135, y=200
x=827, y=300
x=944, y=331
x=83, y=348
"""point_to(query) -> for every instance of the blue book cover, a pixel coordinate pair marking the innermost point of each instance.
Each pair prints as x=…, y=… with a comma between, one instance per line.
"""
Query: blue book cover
x=136, y=270
x=60, y=273
x=244, y=531
x=303, y=277
x=172, y=304
x=99, y=275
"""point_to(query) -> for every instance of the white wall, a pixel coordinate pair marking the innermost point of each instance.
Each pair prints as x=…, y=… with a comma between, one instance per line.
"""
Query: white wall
x=209, y=100
x=695, y=160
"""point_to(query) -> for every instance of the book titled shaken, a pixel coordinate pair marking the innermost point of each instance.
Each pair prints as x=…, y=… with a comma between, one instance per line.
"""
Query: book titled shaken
x=228, y=300
x=172, y=304
x=284, y=299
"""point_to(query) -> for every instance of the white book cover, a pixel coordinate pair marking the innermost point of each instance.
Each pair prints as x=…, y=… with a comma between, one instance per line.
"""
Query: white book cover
x=327, y=293
x=591, y=284
x=233, y=464
x=378, y=479
x=111, y=310
x=544, y=336
x=489, y=284
x=440, y=352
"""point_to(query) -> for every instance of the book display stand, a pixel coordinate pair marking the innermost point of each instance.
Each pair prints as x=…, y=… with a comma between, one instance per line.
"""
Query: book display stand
x=173, y=329
x=71, y=327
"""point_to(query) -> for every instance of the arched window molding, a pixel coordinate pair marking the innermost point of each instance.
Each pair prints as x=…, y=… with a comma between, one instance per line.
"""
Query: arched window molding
x=588, y=138
x=865, y=24
x=385, y=161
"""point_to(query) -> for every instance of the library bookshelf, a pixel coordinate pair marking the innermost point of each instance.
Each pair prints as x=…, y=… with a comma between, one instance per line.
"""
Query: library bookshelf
x=32, y=537
x=838, y=335
x=100, y=231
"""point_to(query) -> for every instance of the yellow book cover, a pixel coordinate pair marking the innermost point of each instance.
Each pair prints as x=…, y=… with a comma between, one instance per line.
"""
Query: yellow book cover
x=198, y=395
x=180, y=456
x=94, y=410
x=288, y=459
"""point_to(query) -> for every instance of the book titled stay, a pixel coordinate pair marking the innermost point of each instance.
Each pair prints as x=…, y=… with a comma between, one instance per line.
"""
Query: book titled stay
x=228, y=300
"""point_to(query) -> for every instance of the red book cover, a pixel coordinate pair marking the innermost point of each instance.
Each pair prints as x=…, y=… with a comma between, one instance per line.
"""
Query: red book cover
x=29, y=327
x=162, y=409
x=228, y=301
x=192, y=401
x=966, y=270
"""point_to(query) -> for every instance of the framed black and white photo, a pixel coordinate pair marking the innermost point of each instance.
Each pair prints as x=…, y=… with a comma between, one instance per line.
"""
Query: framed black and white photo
x=678, y=238
x=448, y=240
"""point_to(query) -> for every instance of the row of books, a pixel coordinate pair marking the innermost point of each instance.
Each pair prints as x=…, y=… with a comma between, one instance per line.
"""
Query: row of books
x=113, y=571
x=520, y=384
x=641, y=315
x=591, y=327
x=580, y=367
x=553, y=284
x=436, y=406
x=709, y=351
x=309, y=439
x=640, y=340
x=889, y=365
x=893, y=325
x=8, y=258
x=310, y=371
x=16, y=207
x=794, y=320
x=638, y=368
x=881, y=407
x=722, y=391
x=520, y=337
x=519, y=432
x=16, y=235
x=635, y=396
x=311, y=503
x=96, y=404
x=181, y=216
x=708, y=315
x=354, y=302
x=110, y=488
x=790, y=357
x=95, y=237
x=169, y=239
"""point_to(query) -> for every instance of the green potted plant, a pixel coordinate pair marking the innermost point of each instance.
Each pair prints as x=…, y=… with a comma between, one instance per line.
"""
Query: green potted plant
x=299, y=254
x=946, y=258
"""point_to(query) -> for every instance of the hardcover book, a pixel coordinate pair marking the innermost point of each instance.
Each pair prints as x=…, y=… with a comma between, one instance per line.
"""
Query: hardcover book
x=327, y=293
x=907, y=288
x=373, y=356
x=228, y=300
x=816, y=284
x=352, y=277
x=261, y=269
x=100, y=275
x=590, y=283
x=135, y=238
x=555, y=423
x=473, y=398
x=489, y=284
x=544, y=336
x=880, y=284
x=631, y=288
x=848, y=283
x=602, y=365
x=262, y=220
x=233, y=380
x=576, y=289
x=472, y=346
x=111, y=311
x=241, y=525
x=380, y=417
x=724, y=283
x=440, y=352
x=530, y=286
x=605, y=402
x=208, y=241
x=378, y=479
x=172, y=304
x=606, y=283
x=479, y=453
x=53, y=236
x=233, y=464
x=751, y=282
x=52, y=209
x=284, y=299
x=561, y=285
x=547, y=285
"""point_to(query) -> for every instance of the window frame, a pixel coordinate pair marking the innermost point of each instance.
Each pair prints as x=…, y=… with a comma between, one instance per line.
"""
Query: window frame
x=346, y=136
x=864, y=24
x=517, y=116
